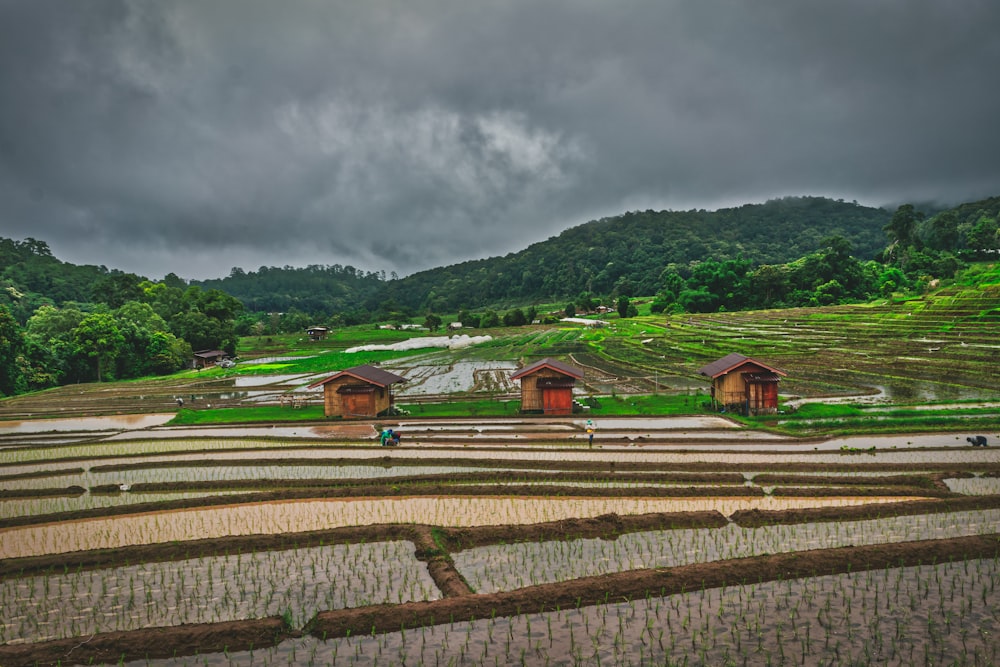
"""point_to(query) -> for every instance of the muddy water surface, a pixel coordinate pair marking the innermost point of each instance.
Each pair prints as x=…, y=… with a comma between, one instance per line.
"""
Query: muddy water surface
x=113, y=423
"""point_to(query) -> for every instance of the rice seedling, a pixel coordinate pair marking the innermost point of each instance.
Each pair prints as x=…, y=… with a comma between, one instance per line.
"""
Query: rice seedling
x=845, y=619
x=294, y=583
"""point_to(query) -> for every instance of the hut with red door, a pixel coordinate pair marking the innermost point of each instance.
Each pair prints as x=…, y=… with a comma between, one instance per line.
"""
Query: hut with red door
x=362, y=391
x=744, y=385
x=547, y=386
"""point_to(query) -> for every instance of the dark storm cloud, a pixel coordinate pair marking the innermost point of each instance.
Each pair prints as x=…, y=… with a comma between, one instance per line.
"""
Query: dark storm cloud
x=197, y=136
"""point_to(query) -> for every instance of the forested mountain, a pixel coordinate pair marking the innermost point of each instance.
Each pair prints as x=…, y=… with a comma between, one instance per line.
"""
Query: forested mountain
x=31, y=276
x=628, y=253
x=313, y=289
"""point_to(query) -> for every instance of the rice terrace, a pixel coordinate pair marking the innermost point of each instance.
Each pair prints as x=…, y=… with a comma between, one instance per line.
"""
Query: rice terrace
x=220, y=517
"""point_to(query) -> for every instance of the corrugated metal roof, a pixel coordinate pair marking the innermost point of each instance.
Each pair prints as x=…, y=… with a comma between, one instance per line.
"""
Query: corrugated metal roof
x=367, y=373
x=557, y=366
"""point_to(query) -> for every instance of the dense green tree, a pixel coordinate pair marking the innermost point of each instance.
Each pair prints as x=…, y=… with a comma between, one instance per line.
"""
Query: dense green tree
x=203, y=332
x=698, y=301
x=432, y=322
x=214, y=303
x=983, y=237
x=165, y=353
x=769, y=285
x=53, y=355
x=49, y=323
x=623, y=306
x=99, y=337
x=118, y=288
x=902, y=226
x=942, y=233
x=12, y=346
x=514, y=318
x=890, y=280
x=142, y=315
x=294, y=321
x=489, y=319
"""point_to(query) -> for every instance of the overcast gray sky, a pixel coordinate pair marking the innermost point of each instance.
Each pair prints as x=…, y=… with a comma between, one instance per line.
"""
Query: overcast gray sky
x=195, y=136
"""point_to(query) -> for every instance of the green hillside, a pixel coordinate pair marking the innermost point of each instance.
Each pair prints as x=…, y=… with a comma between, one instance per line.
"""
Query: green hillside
x=628, y=253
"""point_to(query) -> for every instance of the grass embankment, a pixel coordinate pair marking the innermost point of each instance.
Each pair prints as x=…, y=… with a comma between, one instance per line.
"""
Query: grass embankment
x=617, y=406
x=259, y=414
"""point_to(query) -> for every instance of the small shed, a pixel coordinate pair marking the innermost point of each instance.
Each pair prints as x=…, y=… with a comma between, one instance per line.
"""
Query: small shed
x=317, y=333
x=547, y=386
x=742, y=384
x=206, y=358
x=362, y=391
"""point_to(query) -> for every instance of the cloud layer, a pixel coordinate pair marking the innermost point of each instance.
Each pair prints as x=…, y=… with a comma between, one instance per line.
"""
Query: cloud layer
x=194, y=136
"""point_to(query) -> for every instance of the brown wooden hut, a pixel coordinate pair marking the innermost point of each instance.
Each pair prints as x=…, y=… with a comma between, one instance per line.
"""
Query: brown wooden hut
x=547, y=387
x=744, y=385
x=362, y=391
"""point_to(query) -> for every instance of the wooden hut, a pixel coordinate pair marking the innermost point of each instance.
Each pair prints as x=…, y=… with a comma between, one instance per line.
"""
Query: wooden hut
x=206, y=358
x=317, y=333
x=745, y=385
x=362, y=391
x=547, y=387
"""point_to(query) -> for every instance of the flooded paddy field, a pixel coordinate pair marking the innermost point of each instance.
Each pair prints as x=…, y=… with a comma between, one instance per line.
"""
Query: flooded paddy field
x=333, y=549
x=212, y=589
x=266, y=518
x=931, y=614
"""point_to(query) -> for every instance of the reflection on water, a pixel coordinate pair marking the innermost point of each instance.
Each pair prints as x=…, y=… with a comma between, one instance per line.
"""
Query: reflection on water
x=111, y=423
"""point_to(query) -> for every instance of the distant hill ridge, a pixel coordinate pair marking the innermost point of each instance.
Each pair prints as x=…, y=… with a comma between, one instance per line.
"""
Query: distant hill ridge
x=634, y=248
x=627, y=253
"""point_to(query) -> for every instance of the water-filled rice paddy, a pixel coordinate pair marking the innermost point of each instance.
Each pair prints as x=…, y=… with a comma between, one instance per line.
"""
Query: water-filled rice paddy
x=204, y=590
x=304, y=584
x=942, y=450
x=505, y=567
x=945, y=613
x=303, y=516
x=27, y=507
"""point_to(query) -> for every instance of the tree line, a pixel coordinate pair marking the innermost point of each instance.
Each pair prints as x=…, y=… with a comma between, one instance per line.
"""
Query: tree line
x=118, y=326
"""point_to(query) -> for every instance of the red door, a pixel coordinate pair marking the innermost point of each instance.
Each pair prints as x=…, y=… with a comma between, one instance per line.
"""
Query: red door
x=557, y=401
x=359, y=405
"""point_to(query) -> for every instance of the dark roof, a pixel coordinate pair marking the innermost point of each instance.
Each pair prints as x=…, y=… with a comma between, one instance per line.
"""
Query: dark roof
x=366, y=373
x=731, y=362
x=556, y=383
x=757, y=378
x=208, y=354
x=557, y=366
